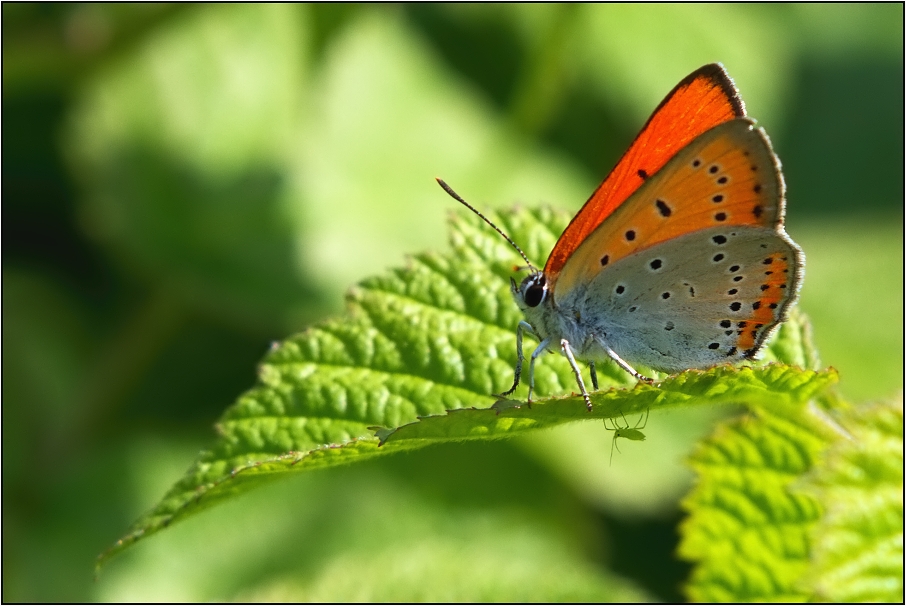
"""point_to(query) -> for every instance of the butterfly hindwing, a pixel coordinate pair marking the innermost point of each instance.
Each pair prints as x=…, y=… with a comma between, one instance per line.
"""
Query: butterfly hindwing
x=697, y=300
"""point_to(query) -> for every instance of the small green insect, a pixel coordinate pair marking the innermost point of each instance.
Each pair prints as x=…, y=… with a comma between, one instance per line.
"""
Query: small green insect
x=630, y=433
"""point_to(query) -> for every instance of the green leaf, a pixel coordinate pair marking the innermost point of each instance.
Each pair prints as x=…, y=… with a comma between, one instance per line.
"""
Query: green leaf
x=436, y=562
x=388, y=113
x=611, y=40
x=417, y=342
x=790, y=506
x=747, y=530
x=858, y=543
x=772, y=386
x=793, y=343
x=380, y=536
x=867, y=348
x=776, y=518
x=179, y=150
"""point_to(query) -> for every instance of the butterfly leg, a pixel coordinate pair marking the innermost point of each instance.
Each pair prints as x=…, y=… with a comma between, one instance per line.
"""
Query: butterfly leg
x=520, y=358
x=594, y=375
x=568, y=352
x=622, y=363
x=531, y=369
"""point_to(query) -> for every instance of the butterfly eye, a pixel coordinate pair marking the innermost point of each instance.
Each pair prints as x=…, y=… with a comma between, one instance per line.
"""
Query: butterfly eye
x=534, y=290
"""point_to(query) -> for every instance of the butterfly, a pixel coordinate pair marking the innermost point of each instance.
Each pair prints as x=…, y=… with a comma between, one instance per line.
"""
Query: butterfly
x=679, y=259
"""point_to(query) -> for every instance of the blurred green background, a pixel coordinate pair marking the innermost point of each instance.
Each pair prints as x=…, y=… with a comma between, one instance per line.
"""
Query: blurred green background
x=183, y=185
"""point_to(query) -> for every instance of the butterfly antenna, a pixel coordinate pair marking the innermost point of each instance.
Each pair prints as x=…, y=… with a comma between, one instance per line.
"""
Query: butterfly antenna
x=456, y=197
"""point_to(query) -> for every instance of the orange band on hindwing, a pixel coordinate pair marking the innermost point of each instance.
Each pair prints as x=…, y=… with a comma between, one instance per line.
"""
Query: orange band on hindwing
x=775, y=286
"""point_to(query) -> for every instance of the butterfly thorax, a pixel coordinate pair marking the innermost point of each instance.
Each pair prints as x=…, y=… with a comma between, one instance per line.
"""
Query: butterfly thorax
x=554, y=322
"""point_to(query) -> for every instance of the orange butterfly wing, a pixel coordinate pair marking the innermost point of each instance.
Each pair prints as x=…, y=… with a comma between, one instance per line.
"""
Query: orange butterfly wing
x=727, y=182
x=702, y=100
x=727, y=176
